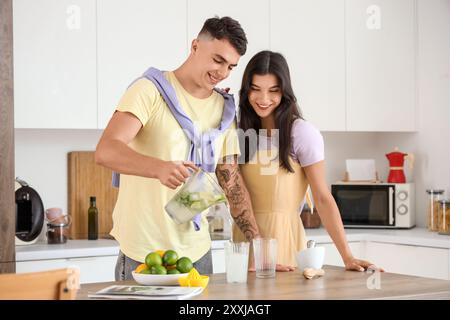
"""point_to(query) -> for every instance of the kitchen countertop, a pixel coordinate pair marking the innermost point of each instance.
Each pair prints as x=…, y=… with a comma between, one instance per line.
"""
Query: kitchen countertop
x=70, y=249
x=106, y=247
x=335, y=284
x=415, y=236
x=84, y=248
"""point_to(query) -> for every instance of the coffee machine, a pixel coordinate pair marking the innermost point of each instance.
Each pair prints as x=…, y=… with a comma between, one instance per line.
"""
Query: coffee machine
x=29, y=213
x=396, y=161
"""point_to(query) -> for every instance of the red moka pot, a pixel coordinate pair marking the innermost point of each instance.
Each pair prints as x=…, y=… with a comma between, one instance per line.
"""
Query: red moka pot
x=396, y=162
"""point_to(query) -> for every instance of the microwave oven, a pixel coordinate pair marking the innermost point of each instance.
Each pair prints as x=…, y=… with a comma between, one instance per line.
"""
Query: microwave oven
x=375, y=205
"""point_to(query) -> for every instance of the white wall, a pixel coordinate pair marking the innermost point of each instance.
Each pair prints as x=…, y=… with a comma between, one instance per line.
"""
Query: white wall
x=41, y=157
x=41, y=160
x=430, y=143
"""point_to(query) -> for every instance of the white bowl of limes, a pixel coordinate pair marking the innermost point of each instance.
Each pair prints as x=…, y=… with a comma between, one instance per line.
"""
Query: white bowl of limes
x=162, y=268
x=157, y=279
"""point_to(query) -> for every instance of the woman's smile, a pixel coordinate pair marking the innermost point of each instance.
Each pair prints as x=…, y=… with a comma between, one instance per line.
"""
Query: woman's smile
x=265, y=94
x=263, y=106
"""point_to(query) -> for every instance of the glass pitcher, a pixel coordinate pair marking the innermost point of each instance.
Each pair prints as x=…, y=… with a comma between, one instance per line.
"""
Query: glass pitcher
x=199, y=192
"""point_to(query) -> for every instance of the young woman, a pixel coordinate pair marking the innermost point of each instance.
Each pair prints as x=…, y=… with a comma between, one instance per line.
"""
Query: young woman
x=288, y=158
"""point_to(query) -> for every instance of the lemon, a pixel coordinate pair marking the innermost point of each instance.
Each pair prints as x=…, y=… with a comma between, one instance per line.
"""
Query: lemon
x=202, y=282
x=160, y=252
x=193, y=274
x=194, y=279
x=140, y=268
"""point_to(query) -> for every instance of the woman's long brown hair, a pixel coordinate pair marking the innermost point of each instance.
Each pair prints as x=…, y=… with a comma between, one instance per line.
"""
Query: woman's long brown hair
x=268, y=62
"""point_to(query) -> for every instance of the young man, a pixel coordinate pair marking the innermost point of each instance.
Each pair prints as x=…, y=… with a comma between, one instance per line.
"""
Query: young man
x=145, y=143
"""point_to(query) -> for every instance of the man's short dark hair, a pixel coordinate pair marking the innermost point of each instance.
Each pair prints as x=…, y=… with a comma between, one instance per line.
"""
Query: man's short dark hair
x=226, y=28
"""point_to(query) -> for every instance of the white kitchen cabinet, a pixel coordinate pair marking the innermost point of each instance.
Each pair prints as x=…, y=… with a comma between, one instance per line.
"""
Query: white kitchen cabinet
x=253, y=15
x=132, y=37
x=92, y=269
x=55, y=84
x=333, y=258
x=218, y=260
x=380, y=65
x=311, y=36
x=410, y=260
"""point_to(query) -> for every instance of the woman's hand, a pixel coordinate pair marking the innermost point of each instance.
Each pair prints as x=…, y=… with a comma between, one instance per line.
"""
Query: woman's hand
x=278, y=268
x=284, y=268
x=360, y=265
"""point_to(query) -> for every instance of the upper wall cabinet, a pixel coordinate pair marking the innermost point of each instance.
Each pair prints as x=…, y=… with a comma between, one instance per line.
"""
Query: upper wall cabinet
x=310, y=34
x=253, y=15
x=55, y=64
x=133, y=36
x=352, y=62
x=380, y=59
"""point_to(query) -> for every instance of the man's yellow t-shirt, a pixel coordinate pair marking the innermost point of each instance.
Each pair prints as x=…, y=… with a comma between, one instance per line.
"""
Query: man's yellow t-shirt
x=140, y=223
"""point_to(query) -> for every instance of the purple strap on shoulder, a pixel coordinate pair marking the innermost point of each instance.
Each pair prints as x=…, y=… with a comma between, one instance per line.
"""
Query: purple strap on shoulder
x=202, y=149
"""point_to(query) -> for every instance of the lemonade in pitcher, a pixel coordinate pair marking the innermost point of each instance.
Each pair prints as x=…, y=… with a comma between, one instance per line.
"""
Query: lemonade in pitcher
x=200, y=192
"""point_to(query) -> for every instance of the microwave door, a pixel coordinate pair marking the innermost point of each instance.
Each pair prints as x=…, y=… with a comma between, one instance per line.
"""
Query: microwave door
x=365, y=206
x=391, y=206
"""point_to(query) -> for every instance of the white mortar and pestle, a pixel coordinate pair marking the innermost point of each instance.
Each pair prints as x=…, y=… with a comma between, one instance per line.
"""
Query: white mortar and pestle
x=310, y=260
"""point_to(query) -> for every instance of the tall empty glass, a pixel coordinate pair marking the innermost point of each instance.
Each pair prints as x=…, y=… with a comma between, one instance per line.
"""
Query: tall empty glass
x=265, y=250
x=236, y=261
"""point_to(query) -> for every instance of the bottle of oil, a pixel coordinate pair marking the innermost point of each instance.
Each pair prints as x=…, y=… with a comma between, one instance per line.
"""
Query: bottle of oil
x=93, y=220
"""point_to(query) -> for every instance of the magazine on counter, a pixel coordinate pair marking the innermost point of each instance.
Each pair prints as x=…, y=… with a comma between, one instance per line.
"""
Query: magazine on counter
x=147, y=292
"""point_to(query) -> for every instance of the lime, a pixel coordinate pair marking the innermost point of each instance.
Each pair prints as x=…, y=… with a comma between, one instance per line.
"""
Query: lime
x=158, y=270
x=153, y=259
x=197, y=205
x=173, y=271
x=171, y=267
x=170, y=258
x=145, y=271
x=184, y=265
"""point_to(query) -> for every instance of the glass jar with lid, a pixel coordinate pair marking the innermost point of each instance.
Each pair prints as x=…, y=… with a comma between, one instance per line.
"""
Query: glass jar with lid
x=444, y=217
x=435, y=196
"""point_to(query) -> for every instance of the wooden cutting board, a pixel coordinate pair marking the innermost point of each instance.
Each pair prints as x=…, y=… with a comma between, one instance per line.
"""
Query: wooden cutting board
x=87, y=179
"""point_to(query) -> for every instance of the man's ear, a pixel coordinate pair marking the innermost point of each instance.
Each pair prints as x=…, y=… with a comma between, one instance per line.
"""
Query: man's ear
x=194, y=45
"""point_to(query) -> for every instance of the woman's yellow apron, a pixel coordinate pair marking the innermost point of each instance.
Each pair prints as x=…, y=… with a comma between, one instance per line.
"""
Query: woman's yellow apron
x=276, y=196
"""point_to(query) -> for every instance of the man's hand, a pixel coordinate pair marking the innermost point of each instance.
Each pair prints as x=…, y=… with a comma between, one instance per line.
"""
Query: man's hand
x=172, y=174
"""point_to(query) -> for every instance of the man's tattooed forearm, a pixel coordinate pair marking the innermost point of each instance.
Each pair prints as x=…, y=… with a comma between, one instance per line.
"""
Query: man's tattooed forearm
x=239, y=199
x=244, y=224
x=223, y=175
x=229, y=180
x=236, y=195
